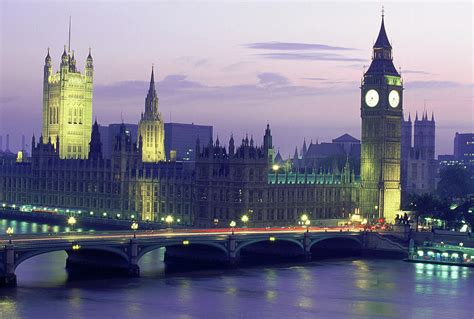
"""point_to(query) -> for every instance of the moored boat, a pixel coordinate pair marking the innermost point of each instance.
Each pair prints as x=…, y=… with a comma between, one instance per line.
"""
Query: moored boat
x=442, y=253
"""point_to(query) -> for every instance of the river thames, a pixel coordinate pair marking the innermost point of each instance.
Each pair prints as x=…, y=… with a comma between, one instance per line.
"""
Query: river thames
x=339, y=288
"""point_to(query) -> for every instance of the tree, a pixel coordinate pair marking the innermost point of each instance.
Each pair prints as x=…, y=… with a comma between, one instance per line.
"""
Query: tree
x=427, y=205
x=466, y=212
x=455, y=182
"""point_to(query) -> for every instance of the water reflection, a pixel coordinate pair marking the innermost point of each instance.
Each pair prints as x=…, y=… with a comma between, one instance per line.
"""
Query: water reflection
x=24, y=227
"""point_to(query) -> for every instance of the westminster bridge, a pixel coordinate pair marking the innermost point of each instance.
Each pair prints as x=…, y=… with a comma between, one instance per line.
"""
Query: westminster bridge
x=121, y=251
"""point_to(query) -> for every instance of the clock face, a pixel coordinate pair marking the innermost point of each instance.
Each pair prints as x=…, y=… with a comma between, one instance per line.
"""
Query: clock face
x=371, y=98
x=394, y=98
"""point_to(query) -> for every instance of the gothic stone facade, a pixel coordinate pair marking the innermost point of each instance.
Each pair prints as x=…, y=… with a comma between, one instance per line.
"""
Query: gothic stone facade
x=122, y=187
x=242, y=181
x=67, y=106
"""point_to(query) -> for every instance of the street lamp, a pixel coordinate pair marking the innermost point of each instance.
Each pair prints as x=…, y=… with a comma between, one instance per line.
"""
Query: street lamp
x=245, y=219
x=305, y=221
x=232, y=226
x=275, y=167
x=169, y=219
x=72, y=221
x=134, y=227
x=10, y=234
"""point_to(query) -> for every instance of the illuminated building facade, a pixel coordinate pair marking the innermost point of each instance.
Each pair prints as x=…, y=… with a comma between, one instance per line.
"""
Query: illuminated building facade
x=122, y=187
x=151, y=128
x=67, y=106
x=244, y=180
x=381, y=113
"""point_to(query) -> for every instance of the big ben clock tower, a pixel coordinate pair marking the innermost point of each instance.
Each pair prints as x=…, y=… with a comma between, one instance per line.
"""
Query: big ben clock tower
x=381, y=112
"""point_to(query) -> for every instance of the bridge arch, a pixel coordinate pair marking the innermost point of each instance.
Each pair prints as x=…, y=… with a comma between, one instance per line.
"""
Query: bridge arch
x=146, y=249
x=266, y=240
x=335, y=247
x=30, y=254
x=349, y=238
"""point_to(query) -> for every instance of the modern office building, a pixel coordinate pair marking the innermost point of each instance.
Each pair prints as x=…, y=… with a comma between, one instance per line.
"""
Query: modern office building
x=464, y=148
x=181, y=138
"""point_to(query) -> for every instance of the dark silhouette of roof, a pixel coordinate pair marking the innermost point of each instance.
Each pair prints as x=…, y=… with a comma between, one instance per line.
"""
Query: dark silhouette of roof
x=381, y=64
x=278, y=158
x=324, y=150
x=382, y=39
x=345, y=138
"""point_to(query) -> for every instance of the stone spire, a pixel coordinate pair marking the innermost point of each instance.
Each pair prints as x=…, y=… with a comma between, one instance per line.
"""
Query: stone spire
x=382, y=39
x=151, y=101
x=382, y=63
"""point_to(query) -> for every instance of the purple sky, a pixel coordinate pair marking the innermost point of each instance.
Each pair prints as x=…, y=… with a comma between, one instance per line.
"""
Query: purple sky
x=237, y=65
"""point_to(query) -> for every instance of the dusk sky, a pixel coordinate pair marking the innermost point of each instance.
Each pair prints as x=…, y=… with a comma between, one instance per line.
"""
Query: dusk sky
x=237, y=65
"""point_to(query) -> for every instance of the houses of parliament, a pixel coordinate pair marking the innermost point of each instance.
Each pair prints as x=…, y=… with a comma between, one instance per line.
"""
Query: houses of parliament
x=139, y=181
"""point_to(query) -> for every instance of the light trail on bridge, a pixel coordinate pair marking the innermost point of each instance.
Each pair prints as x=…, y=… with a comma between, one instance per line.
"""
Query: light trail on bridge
x=151, y=234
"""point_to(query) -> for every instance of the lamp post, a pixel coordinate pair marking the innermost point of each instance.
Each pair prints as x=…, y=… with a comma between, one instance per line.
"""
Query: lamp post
x=71, y=221
x=245, y=219
x=169, y=219
x=232, y=226
x=10, y=234
x=275, y=167
x=134, y=227
x=305, y=221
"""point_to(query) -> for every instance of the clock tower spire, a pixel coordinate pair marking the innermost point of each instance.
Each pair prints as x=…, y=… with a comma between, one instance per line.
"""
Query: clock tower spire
x=381, y=113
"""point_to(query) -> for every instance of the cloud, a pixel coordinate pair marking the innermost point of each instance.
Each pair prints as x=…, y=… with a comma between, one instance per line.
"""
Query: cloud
x=178, y=89
x=355, y=66
x=315, y=56
x=434, y=85
x=272, y=79
x=196, y=62
x=235, y=66
x=314, y=79
x=416, y=72
x=290, y=46
x=202, y=62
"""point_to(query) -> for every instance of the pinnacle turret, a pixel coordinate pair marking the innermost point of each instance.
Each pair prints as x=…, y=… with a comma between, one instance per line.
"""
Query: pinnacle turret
x=89, y=56
x=47, y=59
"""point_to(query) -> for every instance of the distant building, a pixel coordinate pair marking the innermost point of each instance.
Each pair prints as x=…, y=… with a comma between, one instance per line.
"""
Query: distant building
x=464, y=148
x=463, y=152
x=447, y=160
x=108, y=134
x=328, y=155
x=418, y=169
x=182, y=138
